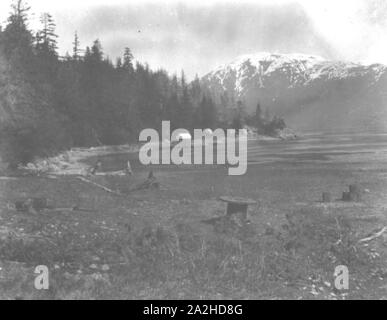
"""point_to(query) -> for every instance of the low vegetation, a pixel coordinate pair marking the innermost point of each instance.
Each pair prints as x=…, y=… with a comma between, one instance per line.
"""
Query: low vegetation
x=148, y=245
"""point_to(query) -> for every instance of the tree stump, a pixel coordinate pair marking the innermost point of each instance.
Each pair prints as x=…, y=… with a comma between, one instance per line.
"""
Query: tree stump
x=39, y=204
x=346, y=196
x=355, y=192
x=30, y=205
x=237, y=206
x=23, y=206
x=326, y=197
x=354, y=195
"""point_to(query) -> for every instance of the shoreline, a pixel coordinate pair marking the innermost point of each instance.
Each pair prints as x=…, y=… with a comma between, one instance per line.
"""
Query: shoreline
x=71, y=162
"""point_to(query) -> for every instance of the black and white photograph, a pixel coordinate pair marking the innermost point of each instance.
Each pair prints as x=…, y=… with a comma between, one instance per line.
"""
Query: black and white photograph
x=207, y=150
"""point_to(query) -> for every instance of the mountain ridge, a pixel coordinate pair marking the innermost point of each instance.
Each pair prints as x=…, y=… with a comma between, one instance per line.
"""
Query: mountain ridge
x=309, y=91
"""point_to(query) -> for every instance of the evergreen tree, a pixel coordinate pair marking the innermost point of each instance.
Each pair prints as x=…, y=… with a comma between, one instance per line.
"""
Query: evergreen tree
x=34, y=128
x=186, y=112
x=258, y=119
x=267, y=115
x=96, y=55
x=128, y=60
x=87, y=53
x=46, y=38
x=239, y=115
x=46, y=49
x=237, y=121
x=207, y=109
x=76, y=45
x=17, y=39
x=119, y=63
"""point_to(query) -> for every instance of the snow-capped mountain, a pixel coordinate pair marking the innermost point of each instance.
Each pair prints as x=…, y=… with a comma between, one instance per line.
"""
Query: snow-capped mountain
x=309, y=91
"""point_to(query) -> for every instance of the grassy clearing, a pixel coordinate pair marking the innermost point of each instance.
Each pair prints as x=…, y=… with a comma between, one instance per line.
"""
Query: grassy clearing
x=152, y=244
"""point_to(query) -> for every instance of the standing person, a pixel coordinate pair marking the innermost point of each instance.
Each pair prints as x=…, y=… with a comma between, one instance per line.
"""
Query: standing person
x=151, y=176
x=96, y=167
x=129, y=170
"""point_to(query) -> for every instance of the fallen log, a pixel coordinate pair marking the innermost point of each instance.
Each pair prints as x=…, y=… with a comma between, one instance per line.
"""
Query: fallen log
x=374, y=236
x=100, y=186
x=366, y=218
x=150, y=183
x=76, y=208
x=8, y=179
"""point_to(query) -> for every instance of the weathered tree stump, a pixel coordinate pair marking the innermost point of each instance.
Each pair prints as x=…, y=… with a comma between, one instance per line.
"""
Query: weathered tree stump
x=326, y=197
x=31, y=205
x=23, y=205
x=354, y=195
x=346, y=196
x=237, y=206
x=39, y=204
x=355, y=192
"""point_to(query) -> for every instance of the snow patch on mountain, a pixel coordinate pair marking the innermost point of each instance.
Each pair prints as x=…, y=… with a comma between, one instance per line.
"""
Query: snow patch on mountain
x=297, y=69
x=305, y=89
x=262, y=65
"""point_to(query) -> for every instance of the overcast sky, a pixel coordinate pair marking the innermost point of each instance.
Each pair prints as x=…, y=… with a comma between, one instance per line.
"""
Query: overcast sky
x=199, y=35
